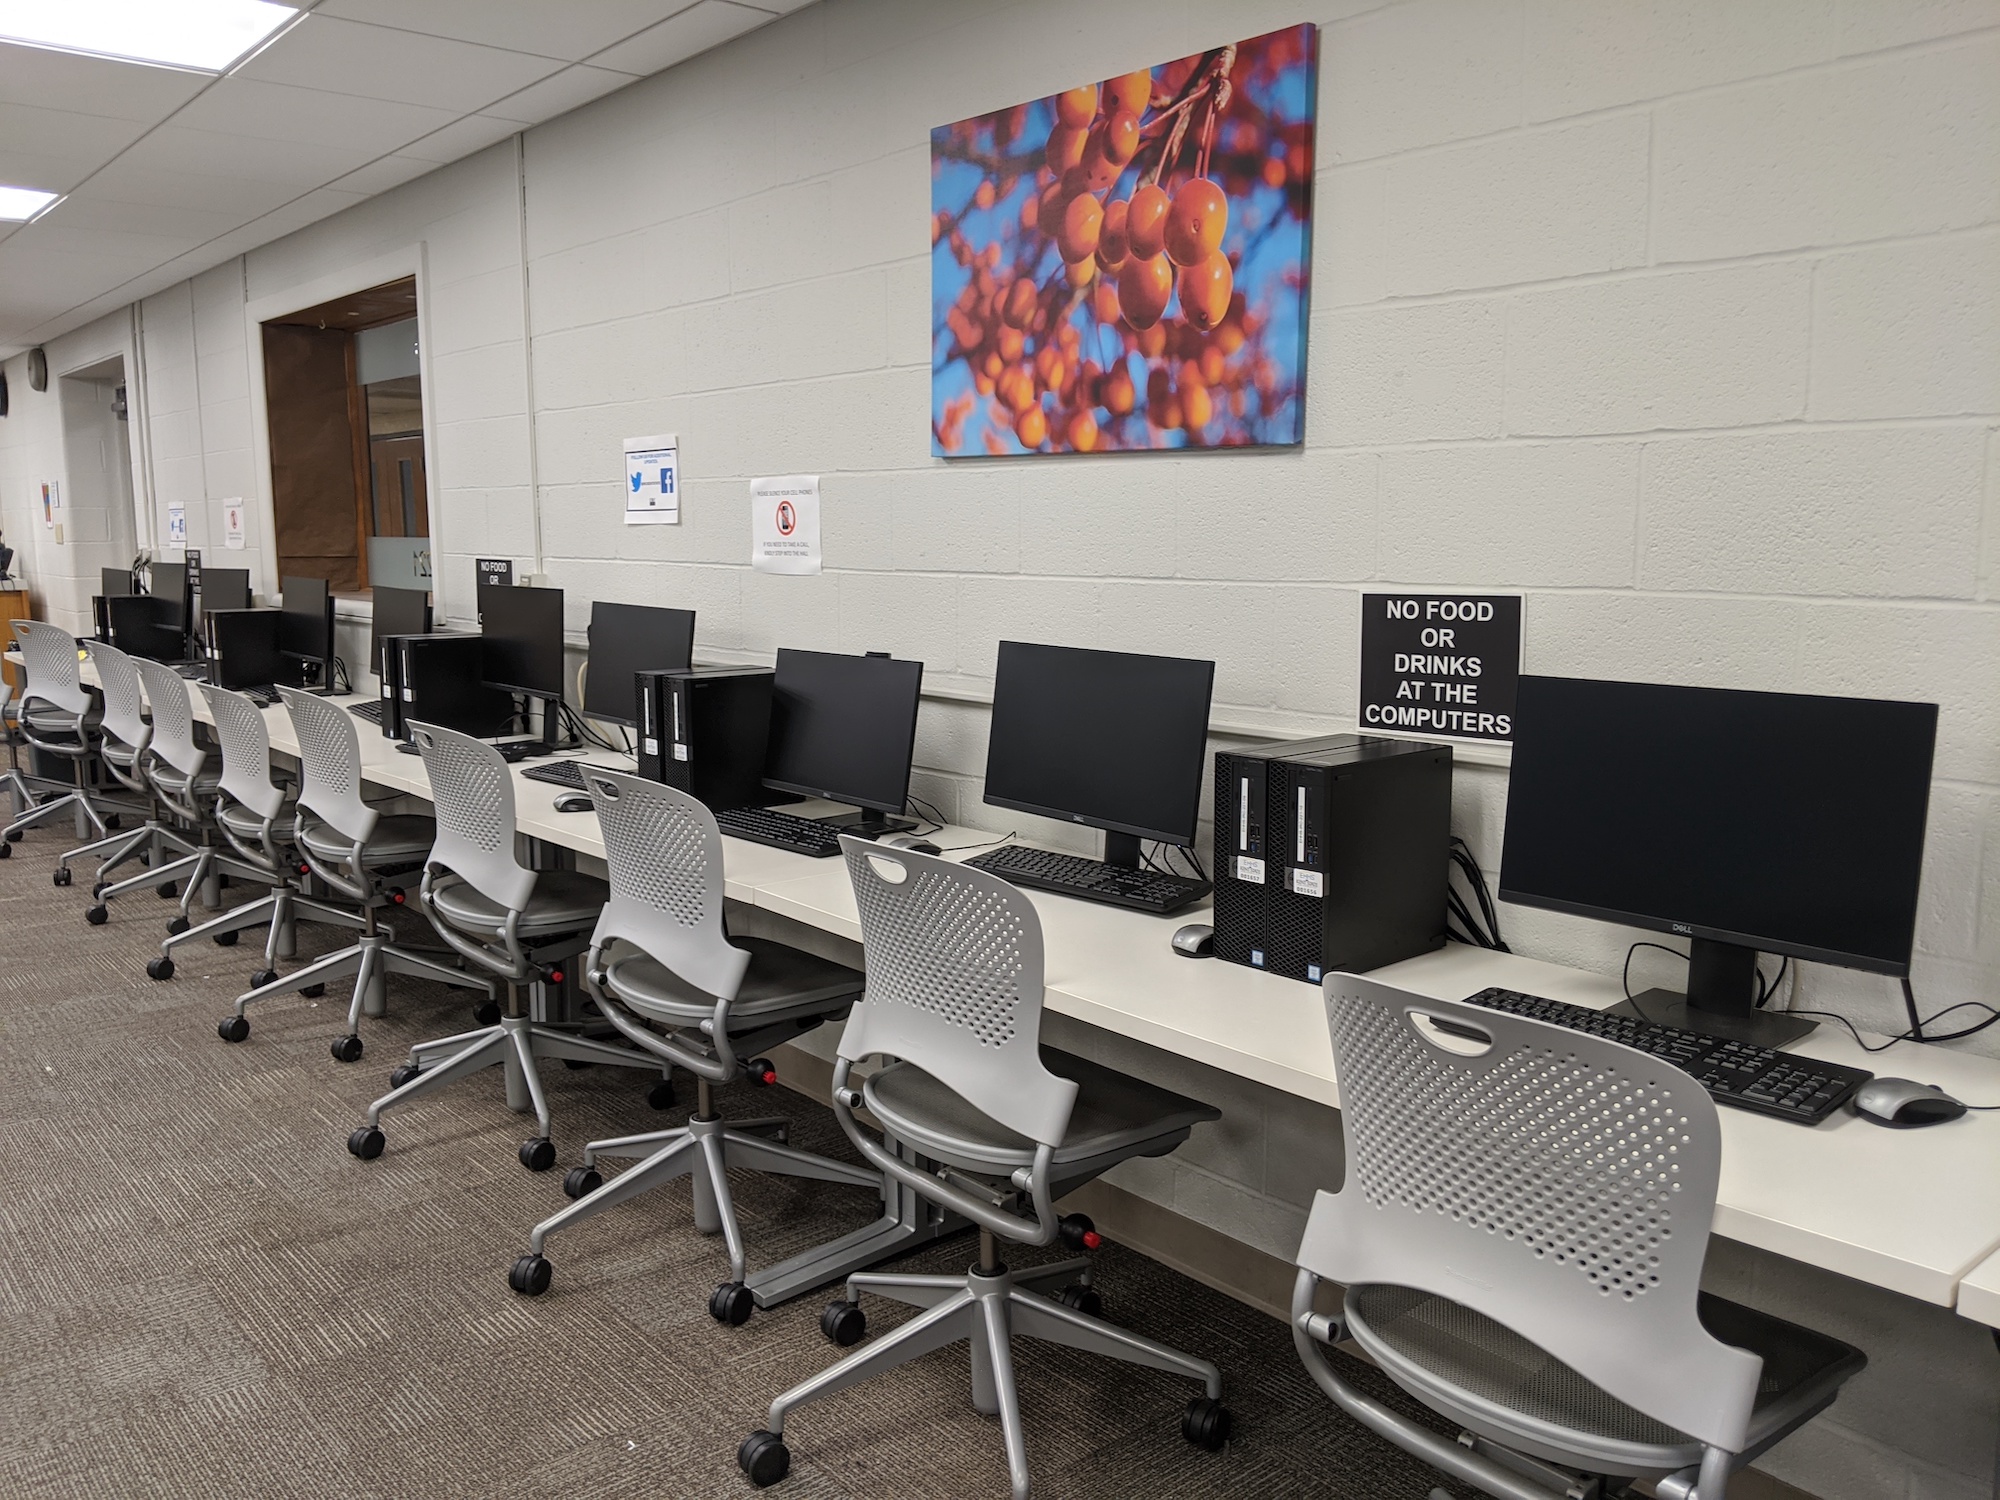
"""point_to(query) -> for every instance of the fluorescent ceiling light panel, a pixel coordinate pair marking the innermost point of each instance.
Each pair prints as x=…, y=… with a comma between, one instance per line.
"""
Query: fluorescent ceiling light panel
x=207, y=35
x=17, y=205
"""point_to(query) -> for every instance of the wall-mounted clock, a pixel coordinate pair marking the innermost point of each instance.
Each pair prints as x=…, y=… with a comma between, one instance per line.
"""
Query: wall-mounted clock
x=38, y=369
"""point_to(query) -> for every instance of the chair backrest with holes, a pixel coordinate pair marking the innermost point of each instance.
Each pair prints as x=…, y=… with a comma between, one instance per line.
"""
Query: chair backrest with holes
x=124, y=697
x=473, y=792
x=173, y=718
x=954, y=959
x=1559, y=1183
x=664, y=855
x=330, y=765
x=55, y=676
x=246, y=752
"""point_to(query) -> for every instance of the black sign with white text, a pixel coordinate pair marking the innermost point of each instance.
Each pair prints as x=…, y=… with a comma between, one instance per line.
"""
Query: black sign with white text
x=1440, y=664
x=494, y=570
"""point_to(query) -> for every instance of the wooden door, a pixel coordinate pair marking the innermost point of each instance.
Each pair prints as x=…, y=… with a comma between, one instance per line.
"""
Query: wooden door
x=401, y=502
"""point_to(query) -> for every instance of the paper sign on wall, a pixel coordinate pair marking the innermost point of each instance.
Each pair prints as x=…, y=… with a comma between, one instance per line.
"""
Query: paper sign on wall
x=177, y=523
x=51, y=504
x=784, y=524
x=653, y=481
x=232, y=525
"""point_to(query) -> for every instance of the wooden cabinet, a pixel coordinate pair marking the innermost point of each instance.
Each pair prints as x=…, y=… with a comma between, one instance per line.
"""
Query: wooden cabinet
x=14, y=605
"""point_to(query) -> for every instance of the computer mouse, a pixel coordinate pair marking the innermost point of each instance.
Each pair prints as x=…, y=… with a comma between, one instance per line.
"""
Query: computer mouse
x=913, y=842
x=1196, y=940
x=574, y=802
x=1903, y=1105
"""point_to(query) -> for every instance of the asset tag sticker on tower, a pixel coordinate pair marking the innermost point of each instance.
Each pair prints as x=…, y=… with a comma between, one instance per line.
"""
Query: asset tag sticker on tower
x=653, y=480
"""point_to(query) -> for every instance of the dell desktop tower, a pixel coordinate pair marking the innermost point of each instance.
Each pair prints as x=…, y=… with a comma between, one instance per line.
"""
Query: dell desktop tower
x=705, y=730
x=435, y=679
x=1331, y=854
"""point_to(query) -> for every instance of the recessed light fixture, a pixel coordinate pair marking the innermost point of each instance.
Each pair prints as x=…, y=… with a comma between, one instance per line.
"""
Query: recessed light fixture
x=205, y=35
x=18, y=204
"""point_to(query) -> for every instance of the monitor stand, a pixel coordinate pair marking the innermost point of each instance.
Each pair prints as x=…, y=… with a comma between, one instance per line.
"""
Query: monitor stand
x=865, y=823
x=1121, y=850
x=1721, y=1000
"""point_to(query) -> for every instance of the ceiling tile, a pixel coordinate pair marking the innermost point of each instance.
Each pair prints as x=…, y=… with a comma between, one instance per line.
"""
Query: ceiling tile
x=560, y=94
x=461, y=138
x=89, y=209
x=94, y=85
x=66, y=132
x=380, y=176
x=709, y=24
x=287, y=112
x=37, y=169
x=299, y=165
x=565, y=31
x=323, y=52
x=130, y=181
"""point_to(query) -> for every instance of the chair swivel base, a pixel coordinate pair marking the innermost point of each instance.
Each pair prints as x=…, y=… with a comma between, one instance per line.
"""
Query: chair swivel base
x=370, y=961
x=704, y=1149
x=514, y=1042
x=987, y=1307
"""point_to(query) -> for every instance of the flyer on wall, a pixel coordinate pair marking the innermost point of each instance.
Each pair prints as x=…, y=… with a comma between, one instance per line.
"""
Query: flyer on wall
x=784, y=524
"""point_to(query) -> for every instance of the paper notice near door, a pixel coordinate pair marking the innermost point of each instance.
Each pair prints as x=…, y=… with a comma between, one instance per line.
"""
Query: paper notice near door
x=653, y=481
x=784, y=524
x=177, y=523
x=232, y=525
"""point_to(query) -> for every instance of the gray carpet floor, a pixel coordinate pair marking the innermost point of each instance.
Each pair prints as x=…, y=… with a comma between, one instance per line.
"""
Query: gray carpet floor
x=204, y=1294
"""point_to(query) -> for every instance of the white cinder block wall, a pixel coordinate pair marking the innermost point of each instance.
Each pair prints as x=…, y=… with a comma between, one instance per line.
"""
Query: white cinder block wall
x=1682, y=317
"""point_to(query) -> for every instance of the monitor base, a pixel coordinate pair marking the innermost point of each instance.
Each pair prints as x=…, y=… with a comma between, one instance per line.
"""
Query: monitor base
x=1759, y=1028
x=866, y=823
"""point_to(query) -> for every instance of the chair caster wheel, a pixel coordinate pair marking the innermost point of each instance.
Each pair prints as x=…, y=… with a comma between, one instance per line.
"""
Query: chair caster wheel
x=98, y=915
x=263, y=977
x=487, y=1014
x=731, y=1303
x=581, y=1182
x=97, y=891
x=233, y=1028
x=347, y=1049
x=178, y=926
x=62, y=877
x=313, y=991
x=529, y=1275
x=1080, y=1298
x=1205, y=1423
x=112, y=822
x=366, y=1143
x=13, y=835
x=765, y=1458
x=843, y=1322
x=538, y=1153
x=661, y=1095
x=167, y=890
x=160, y=968
x=578, y=1064
x=7, y=848
x=1078, y=1233
x=400, y=1076
x=225, y=939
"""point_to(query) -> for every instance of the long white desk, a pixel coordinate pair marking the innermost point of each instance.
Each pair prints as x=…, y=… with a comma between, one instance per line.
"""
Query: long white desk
x=1979, y=1294
x=1917, y=1212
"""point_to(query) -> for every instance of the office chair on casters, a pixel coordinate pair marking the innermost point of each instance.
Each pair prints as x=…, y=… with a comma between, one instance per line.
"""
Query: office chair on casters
x=1521, y=1235
x=955, y=996
x=20, y=796
x=357, y=852
x=59, y=717
x=122, y=751
x=518, y=924
x=660, y=957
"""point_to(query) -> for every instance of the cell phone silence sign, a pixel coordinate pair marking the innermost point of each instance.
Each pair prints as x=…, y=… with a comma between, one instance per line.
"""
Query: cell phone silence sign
x=1440, y=665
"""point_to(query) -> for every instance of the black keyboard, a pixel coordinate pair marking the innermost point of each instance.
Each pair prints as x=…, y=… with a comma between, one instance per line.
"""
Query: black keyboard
x=1091, y=879
x=371, y=711
x=780, y=830
x=567, y=773
x=1739, y=1074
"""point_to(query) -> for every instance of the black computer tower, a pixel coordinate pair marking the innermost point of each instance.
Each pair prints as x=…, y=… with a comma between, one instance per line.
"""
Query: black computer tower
x=242, y=648
x=436, y=680
x=1331, y=853
x=704, y=731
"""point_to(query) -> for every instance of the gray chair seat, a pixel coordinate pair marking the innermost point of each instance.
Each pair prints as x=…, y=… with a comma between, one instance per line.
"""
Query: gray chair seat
x=780, y=984
x=246, y=825
x=400, y=839
x=1444, y=1352
x=119, y=754
x=1116, y=1116
x=564, y=901
x=176, y=782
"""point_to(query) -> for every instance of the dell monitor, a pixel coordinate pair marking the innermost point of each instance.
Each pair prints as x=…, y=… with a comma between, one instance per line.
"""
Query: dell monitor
x=845, y=728
x=1743, y=822
x=225, y=588
x=305, y=634
x=523, y=630
x=626, y=639
x=115, y=581
x=1103, y=738
x=397, y=612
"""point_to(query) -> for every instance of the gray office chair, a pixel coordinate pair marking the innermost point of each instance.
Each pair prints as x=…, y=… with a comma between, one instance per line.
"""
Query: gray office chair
x=255, y=819
x=954, y=995
x=1521, y=1234
x=660, y=958
x=59, y=717
x=358, y=853
x=20, y=796
x=518, y=924
x=122, y=752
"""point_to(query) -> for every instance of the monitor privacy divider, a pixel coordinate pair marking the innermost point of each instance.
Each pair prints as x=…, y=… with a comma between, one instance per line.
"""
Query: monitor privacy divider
x=844, y=727
x=306, y=631
x=396, y=612
x=626, y=639
x=1778, y=822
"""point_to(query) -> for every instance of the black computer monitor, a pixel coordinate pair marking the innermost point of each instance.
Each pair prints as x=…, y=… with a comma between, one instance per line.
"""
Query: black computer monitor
x=305, y=634
x=630, y=638
x=1743, y=822
x=523, y=628
x=845, y=728
x=115, y=581
x=225, y=588
x=1104, y=738
x=169, y=580
x=397, y=612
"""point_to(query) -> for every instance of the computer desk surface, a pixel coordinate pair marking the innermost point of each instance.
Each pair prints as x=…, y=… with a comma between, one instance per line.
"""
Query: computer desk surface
x=1915, y=1211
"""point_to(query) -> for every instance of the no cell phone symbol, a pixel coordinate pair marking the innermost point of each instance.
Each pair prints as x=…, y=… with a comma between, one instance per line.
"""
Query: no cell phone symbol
x=788, y=518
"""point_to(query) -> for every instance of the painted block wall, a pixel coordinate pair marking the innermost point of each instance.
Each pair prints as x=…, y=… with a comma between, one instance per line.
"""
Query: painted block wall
x=1680, y=316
